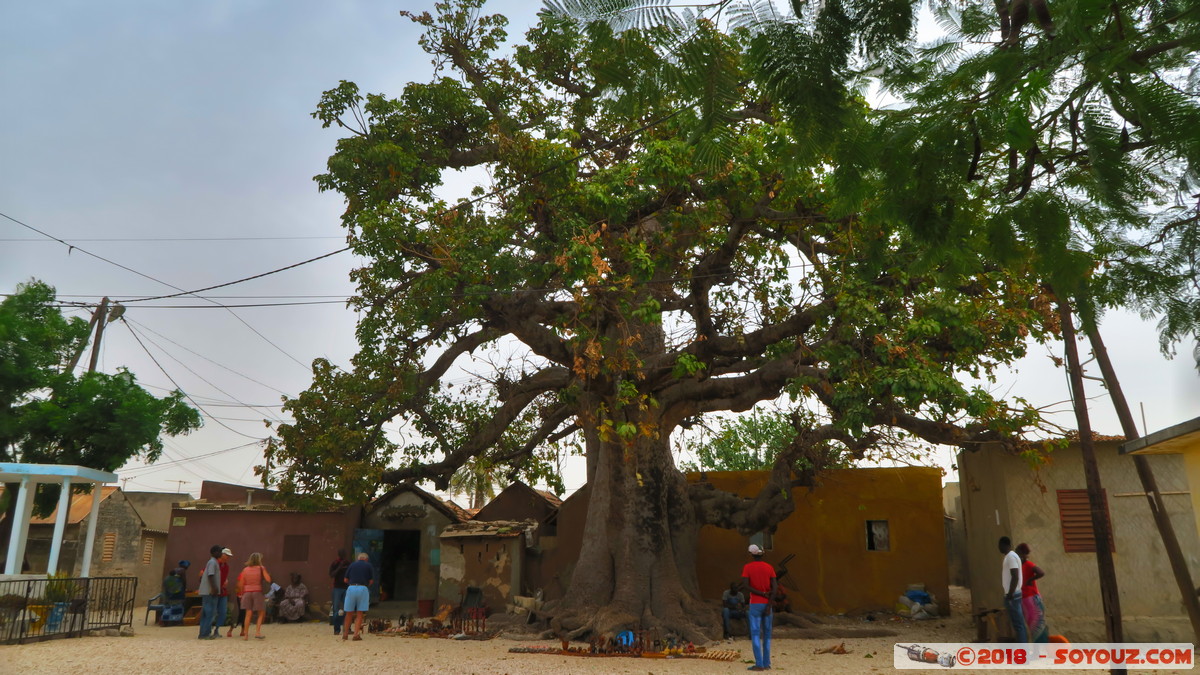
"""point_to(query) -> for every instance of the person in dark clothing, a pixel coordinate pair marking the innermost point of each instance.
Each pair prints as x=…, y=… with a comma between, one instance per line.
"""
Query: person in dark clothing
x=733, y=606
x=359, y=577
x=337, y=572
x=181, y=572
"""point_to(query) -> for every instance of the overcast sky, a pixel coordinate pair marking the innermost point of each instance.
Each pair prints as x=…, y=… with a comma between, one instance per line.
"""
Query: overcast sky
x=170, y=125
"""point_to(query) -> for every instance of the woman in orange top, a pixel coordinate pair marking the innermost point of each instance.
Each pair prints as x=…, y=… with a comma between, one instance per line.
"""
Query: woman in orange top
x=250, y=586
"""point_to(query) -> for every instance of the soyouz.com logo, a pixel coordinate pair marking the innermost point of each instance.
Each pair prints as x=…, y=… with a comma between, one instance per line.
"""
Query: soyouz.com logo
x=1010, y=656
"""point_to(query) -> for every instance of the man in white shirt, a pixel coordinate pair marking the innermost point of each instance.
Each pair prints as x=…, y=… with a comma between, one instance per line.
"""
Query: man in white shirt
x=1010, y=579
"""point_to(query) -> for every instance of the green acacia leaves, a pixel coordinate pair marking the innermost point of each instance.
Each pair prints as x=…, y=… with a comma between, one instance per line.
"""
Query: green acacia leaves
x=50, y=416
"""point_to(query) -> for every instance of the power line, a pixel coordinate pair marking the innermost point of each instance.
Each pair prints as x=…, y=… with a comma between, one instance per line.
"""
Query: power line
x=239, y=281
x=151, y=468
x=189, y=469
x=213, y=402
x=179, y=388
x=71, y=247
x=215, y=297
x=198, y=375
x=215, y=363
x=467, y=294
x=200, y=464
x=475, y=200
x=238, y=306
x=155, y=239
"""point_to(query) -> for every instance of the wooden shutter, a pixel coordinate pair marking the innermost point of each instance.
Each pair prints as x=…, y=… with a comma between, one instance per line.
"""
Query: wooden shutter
x=1075, y=516
x=108, y=547
x=147, y=550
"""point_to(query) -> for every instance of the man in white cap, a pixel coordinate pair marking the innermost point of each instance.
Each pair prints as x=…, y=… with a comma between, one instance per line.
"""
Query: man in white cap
x=222, y=617
x=759, y=578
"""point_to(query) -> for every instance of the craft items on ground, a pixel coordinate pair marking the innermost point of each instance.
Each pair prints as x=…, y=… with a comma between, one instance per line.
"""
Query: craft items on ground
x=636, y=645
x=447, y=624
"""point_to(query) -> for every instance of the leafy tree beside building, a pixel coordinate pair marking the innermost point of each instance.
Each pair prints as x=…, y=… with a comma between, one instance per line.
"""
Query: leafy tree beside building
x=49, y=415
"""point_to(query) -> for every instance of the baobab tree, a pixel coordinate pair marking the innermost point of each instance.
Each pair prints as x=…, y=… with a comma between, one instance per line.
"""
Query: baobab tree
x=631, y=267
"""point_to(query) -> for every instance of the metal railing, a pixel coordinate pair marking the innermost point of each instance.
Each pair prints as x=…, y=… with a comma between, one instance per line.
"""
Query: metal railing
x=40, y=609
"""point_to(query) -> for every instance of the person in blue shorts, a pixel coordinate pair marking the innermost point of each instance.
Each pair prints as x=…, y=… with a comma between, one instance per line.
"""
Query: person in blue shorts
x=359, y=577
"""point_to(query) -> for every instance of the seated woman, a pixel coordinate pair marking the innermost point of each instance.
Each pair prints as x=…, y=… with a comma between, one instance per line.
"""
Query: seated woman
x=172, y=599
x=295, y=600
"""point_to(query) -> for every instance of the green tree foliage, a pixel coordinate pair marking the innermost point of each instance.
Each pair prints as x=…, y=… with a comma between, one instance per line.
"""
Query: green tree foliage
x=1058, y=137
x=601, y=224
x=1058, y=134
x=50, y=416
x=748, y=442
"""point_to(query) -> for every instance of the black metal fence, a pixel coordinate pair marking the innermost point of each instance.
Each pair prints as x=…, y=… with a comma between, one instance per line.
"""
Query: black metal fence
x=39, y=609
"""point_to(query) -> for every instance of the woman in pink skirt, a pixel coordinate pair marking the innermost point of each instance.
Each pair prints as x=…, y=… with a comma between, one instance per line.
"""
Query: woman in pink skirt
x=251, y=581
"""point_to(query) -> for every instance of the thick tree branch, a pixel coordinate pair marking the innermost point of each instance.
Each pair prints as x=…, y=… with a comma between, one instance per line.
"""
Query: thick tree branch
x=464, y=345
x=458, y=159
x=524, y=317
x=687, y=397
x=747, y=515
x=969, y=437
x=1143, y=55
x=486, y=436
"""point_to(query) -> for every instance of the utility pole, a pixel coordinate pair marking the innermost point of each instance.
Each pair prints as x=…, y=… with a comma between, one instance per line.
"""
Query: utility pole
x=1101, y=530
x=101, y=312
x=97, y=320
x=1162, y=520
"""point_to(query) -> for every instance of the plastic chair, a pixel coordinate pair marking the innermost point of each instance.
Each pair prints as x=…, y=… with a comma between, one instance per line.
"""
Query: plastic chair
x=156, y=608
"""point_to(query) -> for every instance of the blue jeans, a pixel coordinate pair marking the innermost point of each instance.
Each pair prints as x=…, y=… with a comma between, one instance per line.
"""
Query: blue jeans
x=728, y=613
x=1016, y=616
x=208, y=612
x=760, y=633
x=337, y=610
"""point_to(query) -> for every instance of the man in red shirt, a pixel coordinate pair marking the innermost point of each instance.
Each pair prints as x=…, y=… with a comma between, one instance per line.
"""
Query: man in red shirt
x=223, y=599
x=759, y=578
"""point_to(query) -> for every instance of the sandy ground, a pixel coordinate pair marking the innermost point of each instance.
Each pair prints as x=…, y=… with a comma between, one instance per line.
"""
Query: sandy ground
x=312, y=648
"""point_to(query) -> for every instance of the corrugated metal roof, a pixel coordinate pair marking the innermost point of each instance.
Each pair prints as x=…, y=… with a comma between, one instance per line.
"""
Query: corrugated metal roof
x=550, y=497
x=463, y=514
x=200, y=505
x=497, y=528
x=81, y=506
x=480, y=533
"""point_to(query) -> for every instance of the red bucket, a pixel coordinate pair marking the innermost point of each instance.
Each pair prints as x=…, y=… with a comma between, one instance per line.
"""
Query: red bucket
x=424, y=608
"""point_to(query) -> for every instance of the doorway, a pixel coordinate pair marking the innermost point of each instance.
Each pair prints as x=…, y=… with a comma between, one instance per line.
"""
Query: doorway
x=399, y=564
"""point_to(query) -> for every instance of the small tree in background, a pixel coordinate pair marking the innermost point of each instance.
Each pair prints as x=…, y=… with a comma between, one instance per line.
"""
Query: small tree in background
x=48, y=415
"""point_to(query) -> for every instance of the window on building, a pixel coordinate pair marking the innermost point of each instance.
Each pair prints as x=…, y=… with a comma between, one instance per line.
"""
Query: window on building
x=764, y=539
x=147, y=550
x=295, y=548
x=878, y=536
x=1075, y=517
x=108, y=547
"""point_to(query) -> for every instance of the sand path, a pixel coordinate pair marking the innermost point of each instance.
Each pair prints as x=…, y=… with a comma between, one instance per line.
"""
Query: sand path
x=297, y=649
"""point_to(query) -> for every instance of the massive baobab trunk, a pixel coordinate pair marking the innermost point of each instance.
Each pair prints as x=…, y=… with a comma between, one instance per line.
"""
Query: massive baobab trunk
x=637, y=565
